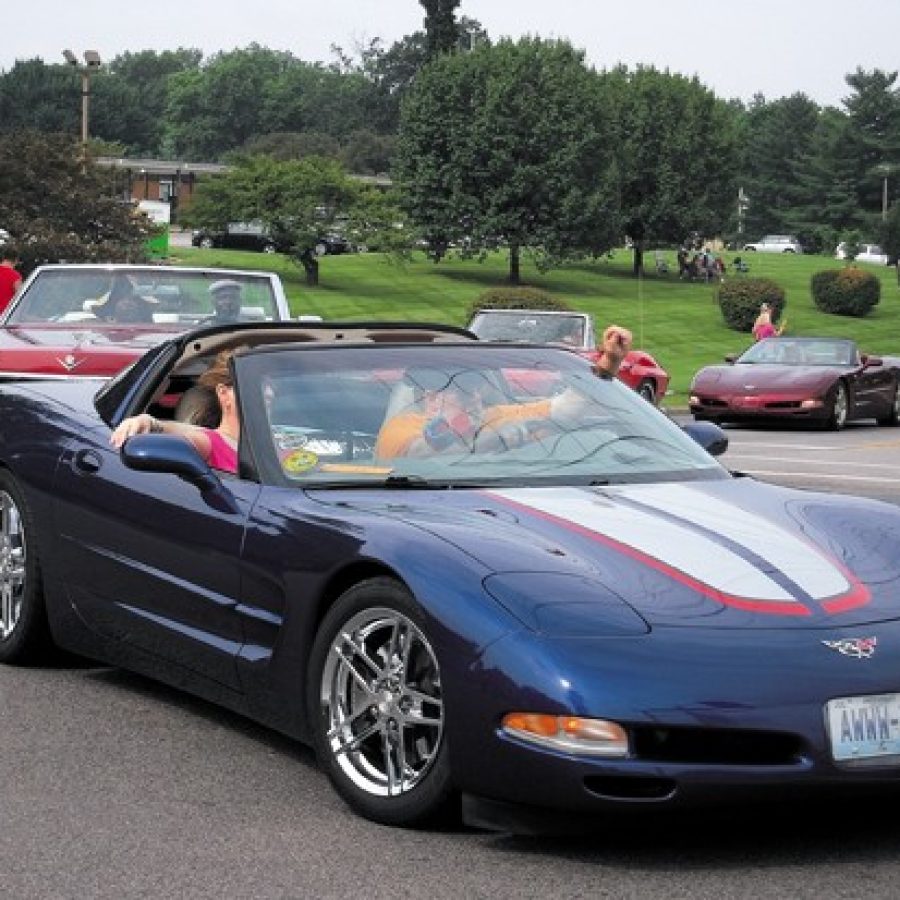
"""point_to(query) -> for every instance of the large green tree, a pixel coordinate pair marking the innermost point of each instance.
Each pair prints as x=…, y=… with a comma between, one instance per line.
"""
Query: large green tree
x=295, y=200
x=219, y=106
x=441, y=30
x=778, y=142
x=130, y=100
x=509, y=146
x=822, y=186
x=677, y=145
x=873, y=109
x=56, y=205
x=36, y=96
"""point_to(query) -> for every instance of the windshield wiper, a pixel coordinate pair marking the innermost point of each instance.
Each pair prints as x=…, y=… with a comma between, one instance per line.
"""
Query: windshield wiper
x=409, y=481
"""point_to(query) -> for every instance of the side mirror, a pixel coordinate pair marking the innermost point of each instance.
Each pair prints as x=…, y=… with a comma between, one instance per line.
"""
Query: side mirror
x=730, y=358
x=870, y=361
x=168, y=454
x=708, y=435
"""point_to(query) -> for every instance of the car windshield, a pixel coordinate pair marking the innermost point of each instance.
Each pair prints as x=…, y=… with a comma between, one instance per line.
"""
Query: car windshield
x=453, y=415
x=529, y=327
x=801, y=351
x=173, y=299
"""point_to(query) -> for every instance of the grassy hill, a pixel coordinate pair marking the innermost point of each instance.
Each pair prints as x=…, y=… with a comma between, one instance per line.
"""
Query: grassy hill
x=679, y=322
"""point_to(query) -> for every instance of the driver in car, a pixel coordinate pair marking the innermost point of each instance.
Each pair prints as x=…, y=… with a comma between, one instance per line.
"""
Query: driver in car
x=453, y=416
x=226, y=300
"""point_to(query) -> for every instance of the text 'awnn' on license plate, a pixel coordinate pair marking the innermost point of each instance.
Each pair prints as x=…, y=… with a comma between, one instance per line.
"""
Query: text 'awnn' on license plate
x=864, y=727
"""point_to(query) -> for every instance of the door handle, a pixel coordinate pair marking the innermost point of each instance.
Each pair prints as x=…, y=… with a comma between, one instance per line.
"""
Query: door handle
x=87, y=462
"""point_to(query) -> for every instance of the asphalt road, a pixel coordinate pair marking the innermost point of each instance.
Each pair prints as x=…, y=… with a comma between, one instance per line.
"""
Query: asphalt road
x=115, y=787
x=863, y=459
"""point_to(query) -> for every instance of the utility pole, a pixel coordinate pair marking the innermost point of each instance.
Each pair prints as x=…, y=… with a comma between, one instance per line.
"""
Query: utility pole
x=90, y=66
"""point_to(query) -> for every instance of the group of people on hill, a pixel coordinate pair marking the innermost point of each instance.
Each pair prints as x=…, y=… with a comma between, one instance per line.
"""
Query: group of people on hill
x=701, y=264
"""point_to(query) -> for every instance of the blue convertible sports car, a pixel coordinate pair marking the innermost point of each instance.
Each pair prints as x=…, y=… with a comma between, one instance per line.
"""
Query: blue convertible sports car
x=459, y=570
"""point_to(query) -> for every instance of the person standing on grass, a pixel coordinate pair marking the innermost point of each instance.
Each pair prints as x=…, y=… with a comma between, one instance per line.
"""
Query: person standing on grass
x=10, y=279
x=763, y=327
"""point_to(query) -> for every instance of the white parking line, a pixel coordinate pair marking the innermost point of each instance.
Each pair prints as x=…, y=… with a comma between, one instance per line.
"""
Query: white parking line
x=760, y=444
x=821, y=476
x=813, y=462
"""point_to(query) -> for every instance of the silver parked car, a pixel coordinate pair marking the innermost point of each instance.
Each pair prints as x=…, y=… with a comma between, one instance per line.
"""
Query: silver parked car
x=775, y=243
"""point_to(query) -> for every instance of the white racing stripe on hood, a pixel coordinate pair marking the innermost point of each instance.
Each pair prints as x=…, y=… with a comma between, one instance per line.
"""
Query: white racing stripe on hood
x=698, y=556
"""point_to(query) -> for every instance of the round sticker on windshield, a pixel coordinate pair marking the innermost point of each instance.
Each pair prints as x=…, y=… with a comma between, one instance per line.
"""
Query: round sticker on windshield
x=299, y=461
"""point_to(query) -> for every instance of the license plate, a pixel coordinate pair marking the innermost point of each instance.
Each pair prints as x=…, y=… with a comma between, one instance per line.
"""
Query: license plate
x=864, y=727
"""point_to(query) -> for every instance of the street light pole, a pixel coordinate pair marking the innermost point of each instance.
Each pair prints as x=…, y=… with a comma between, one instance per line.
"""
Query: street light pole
x=91, y=65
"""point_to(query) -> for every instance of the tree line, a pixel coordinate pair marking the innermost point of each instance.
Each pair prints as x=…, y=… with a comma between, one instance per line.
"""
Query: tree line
x=514, y=144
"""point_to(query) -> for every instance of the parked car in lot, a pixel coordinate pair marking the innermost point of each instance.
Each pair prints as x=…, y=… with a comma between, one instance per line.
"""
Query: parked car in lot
x=870, y=253
x=775, y=243
x=63, y=322
x=572, y=610
x=238, y=236
x=255, y=236
x=639, y=369
x=822, y=380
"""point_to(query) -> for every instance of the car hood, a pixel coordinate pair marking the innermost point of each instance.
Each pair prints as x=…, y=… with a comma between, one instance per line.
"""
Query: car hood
x=758, y=378
x=726, y=554
x=78, y=351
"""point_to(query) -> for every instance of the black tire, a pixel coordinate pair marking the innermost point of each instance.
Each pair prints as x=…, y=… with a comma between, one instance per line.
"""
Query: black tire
x=374, y=701
x=24, y=632
x=838, y=407
x=647, y=389
x=891, y=418
x=207, y=243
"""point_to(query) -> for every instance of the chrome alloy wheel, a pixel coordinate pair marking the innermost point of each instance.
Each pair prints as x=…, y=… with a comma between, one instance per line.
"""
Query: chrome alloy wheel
x=12, y=565
x=381, y=696
x=841, y=407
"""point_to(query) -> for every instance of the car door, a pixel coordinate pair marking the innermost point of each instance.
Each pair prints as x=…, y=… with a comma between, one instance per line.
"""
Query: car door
x=873, y=391
x=149, y=561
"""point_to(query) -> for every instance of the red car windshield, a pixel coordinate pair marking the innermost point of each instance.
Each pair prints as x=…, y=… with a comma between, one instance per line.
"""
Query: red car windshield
x=170, y=298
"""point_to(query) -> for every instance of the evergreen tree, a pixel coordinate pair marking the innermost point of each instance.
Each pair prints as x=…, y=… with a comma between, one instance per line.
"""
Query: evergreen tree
x=441, y=30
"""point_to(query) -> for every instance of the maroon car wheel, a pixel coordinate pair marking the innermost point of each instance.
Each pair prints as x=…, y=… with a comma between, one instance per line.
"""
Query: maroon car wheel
x=839, y=407
x=892, y=417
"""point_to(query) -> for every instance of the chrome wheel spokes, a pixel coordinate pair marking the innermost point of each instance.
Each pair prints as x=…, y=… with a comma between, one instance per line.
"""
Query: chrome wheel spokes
x=840, y=406
x=12, y=565
x=381, y=694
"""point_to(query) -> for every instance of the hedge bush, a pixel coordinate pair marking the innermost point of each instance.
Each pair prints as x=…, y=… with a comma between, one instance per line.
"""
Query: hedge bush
x=845, y=292
x=517, y=297
x=741, y=298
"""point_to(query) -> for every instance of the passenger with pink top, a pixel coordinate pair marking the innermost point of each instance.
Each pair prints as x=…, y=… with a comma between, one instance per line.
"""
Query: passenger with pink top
x=218, y=446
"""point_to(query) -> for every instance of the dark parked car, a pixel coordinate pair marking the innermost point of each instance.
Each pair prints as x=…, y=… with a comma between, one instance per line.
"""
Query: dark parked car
x=552, y=602
x=823, y=380
x=254, y=236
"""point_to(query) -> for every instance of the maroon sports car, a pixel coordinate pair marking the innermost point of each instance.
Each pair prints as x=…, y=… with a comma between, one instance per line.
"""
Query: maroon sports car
x=823, y=380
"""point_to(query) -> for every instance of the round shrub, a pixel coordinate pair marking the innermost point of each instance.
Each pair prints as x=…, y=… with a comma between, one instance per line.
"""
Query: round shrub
x=741, y=298
x=845, y=292
x=517, y=297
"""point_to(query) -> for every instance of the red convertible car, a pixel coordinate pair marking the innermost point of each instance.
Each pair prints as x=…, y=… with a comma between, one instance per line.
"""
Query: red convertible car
x=74, y=320
x=822, y=380
x=640, y=371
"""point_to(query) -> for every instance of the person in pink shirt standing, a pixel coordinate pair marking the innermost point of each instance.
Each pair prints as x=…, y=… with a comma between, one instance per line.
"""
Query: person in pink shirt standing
x=10, y=279
x=218, y=446
x=763, y=327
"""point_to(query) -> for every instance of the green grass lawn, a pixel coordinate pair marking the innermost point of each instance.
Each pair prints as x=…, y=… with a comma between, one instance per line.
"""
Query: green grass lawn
x=678, y=322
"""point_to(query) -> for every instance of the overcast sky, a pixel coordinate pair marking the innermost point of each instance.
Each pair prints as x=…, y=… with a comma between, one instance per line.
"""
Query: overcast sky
x=775, y=47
